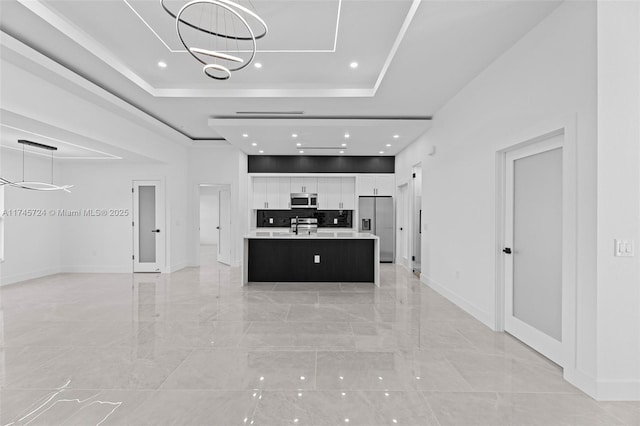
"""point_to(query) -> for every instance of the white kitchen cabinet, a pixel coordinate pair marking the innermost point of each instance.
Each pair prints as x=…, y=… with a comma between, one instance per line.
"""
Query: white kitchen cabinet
x=376, y=185
x=329, y=193
x=336, y=193
x=278, y=195
x=308, y=185
x=385, y=185
x=259, y=199
x=271, y=193
x=347, y=193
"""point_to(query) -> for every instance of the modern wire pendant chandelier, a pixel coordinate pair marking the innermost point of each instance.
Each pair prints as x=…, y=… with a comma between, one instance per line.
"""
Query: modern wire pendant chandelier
x=220, y=34
x=35, y=185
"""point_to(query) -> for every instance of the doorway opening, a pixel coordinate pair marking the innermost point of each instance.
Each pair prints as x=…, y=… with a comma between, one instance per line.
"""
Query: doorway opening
x=214, y=219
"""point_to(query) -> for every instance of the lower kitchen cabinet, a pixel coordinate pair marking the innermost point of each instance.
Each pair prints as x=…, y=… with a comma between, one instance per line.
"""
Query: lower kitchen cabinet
x=311, y=260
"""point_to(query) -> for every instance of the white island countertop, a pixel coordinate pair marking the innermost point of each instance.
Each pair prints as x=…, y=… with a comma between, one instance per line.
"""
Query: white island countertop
x=319, y=235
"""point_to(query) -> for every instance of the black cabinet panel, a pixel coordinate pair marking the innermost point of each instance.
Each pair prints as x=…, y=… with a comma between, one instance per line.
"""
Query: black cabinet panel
x=289, y=260
x=320, y=164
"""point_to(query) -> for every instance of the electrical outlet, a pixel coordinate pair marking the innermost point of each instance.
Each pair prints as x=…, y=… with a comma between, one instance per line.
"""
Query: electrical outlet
x=335, y=220
x=271, y=220
x=624, y=248
x=316, y=258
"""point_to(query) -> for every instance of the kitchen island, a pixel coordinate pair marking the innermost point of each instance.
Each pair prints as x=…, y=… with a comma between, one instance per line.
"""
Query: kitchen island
x=341, y=256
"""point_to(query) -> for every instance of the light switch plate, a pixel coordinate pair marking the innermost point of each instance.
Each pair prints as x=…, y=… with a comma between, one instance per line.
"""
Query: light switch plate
x=624, y=248
x=335, y=220
x=316, y=258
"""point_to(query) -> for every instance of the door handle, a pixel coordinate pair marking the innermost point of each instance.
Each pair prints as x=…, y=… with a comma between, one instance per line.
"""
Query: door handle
x=155, y=230
x=507, y=250
x=217, y=227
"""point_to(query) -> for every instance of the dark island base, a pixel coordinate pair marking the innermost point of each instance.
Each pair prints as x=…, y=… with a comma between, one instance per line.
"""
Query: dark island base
x=291, y=260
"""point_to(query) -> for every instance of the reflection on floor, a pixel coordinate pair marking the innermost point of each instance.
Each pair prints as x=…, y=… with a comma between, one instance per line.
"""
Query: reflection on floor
x=197, y=348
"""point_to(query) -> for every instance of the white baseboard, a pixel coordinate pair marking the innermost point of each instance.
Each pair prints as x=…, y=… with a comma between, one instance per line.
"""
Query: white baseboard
x=16, y=278
x=482, y=316
x=600, y=390
x=583, y=381
x=178, y=266
x=628, y=390
x=97, y=269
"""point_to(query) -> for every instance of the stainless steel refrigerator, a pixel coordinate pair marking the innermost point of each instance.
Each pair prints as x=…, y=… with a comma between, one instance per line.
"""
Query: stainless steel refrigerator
x=376, y=217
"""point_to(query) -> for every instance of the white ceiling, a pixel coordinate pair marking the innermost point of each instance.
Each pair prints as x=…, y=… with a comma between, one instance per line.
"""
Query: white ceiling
x=70, y=146
x=413, y=57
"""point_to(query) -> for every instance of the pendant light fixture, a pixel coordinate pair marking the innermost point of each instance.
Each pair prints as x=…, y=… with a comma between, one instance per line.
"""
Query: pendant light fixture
x=220, y=34
x=35, y=185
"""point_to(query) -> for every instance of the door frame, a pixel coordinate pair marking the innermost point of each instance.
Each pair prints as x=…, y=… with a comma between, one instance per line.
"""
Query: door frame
x=196, y=219
x=161, y=223
x=565, y=127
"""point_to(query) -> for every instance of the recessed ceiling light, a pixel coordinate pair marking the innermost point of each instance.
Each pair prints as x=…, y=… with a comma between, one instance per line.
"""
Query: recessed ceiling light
x=344, y=144
x=244, y=135
x=254, y=144
x=396, y=136
x=261, y=152
x=301, y=152
x=347, y=135
x=294, y=135
x=257, y=65
x=353, y=65
x=298, y=144
x=388, y=145
x=381, y=152
x=162, y=64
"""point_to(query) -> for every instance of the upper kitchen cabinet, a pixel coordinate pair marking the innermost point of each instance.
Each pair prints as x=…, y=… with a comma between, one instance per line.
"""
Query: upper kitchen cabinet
x=336, y=193
x=271, y=193
x=376, y=185
x=259, y=193
x=329, y=193
x=348, y=193
x=278, y=193
x=308, y=185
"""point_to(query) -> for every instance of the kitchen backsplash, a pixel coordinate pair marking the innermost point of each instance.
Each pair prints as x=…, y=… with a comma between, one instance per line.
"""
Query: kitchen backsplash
x=326, y=218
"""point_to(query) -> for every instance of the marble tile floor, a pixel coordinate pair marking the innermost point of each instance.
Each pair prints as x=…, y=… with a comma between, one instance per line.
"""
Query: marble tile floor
x=196, y=348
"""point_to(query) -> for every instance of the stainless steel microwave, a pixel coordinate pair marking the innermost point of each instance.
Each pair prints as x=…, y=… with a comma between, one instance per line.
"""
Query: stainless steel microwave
x=304, y=201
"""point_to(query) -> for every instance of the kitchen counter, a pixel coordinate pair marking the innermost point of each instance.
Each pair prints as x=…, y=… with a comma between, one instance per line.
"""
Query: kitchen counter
x=318, y=235
x=325, y=256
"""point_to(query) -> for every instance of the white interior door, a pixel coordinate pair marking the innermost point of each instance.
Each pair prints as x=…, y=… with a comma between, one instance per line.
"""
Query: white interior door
x=533, y=246
x=224, y=227
x=148, y=226
x=401, y=203
x=416, y=218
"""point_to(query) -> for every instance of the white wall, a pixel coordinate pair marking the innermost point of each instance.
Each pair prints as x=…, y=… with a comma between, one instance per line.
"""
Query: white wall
x=546, y=80
x=105, y=244
x=209, y=215
x=618, y=311
x=32, y=243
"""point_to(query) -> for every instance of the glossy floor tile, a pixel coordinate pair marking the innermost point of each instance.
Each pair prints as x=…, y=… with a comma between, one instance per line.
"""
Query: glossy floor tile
x=197, y=348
